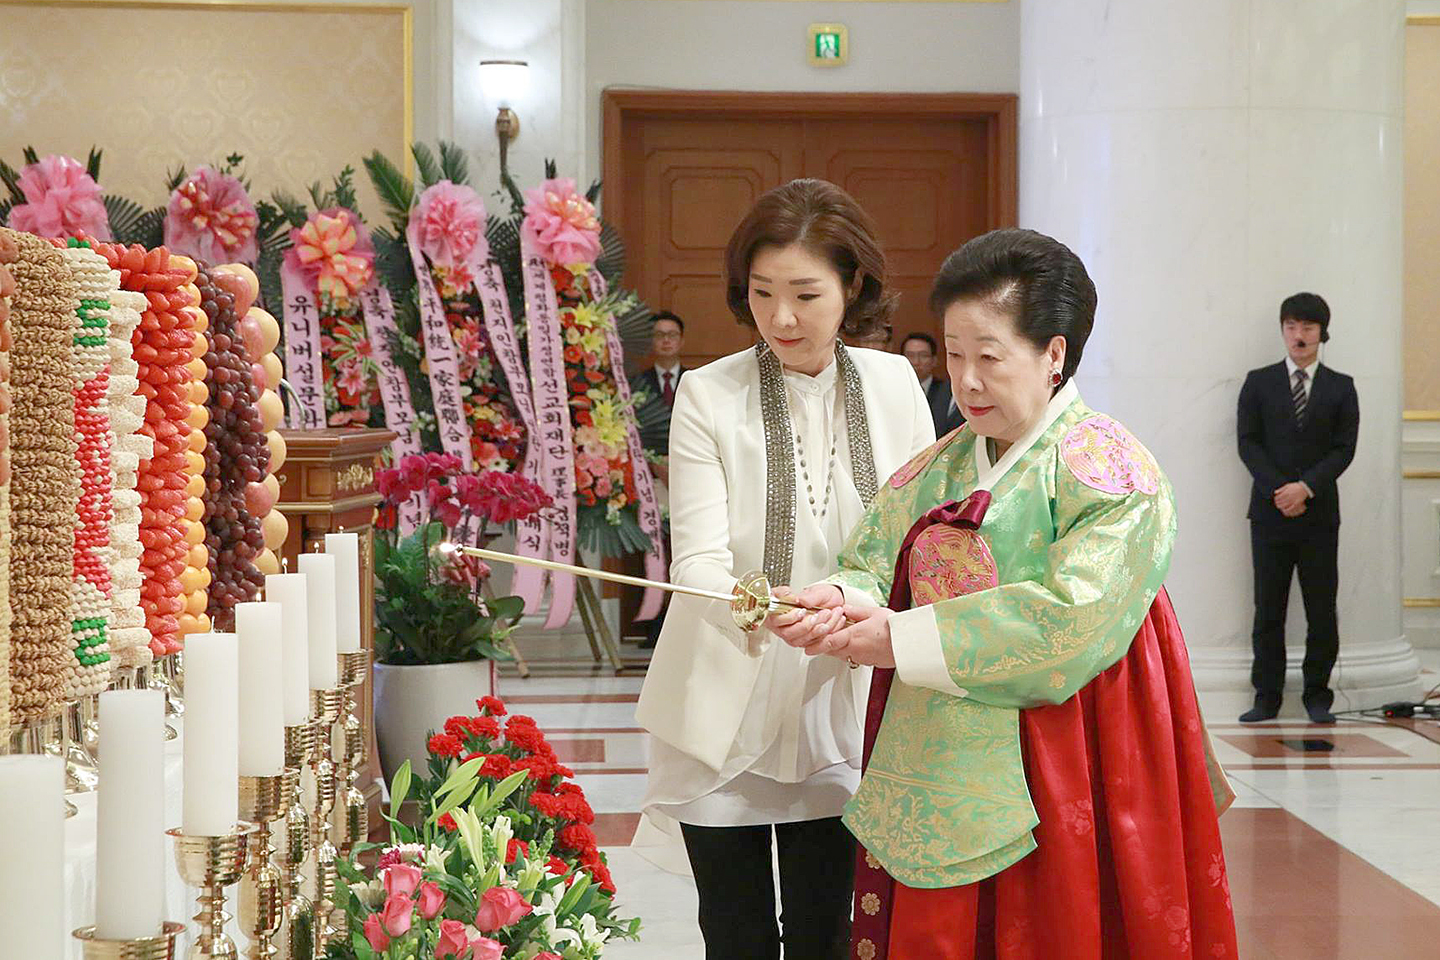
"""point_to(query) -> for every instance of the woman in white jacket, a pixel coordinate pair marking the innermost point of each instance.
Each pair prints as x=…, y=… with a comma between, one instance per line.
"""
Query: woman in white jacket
x=775, y=453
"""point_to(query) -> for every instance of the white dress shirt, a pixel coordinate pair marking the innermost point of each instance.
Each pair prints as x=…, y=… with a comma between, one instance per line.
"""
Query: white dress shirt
x=1290, y=369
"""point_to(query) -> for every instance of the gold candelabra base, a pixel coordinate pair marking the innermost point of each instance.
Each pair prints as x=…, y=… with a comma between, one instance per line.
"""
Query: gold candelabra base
x=263, y=801
x=212, y=864
x=325, y=707
x=159, y=947
x=351, y=813
x=296, y=938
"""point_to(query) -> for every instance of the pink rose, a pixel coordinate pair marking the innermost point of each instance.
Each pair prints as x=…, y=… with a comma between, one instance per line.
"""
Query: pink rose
x=561, y=223
x=374, y=933
x=432, y=900
x=500, y=907
x=452, y=940
x=397, y=915
x=448, y=224
x=486, y=949
x=211, y=217
x=61, y=200
x=402, y=879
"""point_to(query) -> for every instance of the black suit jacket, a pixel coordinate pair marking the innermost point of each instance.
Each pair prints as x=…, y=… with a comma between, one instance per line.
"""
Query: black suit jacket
x=651, y=410
x=1277, y=450
x=938, y=396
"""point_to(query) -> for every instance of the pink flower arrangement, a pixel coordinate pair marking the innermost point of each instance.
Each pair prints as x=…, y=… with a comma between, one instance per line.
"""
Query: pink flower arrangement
x=450, y=221
x=333, y=249
x=211, y=217
x=61, y=200
x=561, y=223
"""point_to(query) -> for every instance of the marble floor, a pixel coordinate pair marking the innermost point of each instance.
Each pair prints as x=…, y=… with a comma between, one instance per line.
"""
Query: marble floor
x=1333, y=844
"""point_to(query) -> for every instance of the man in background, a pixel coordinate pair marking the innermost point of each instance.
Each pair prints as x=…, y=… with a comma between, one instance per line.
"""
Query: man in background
x=654, y=389
x=1298, y=423
x=920, y=349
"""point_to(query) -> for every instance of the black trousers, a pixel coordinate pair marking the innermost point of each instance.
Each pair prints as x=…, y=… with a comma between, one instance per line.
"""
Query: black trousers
x=1278, y=554
x=733, y=873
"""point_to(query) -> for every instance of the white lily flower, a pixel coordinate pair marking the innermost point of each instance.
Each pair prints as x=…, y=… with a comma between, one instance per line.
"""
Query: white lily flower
x=371, y=894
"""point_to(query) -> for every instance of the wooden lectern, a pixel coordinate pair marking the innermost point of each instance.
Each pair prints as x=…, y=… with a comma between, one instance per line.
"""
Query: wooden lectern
x=327, y=484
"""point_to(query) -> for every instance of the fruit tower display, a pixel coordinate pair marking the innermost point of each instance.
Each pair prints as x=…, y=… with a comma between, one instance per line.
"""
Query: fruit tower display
x=237, y=454
x=162, y=346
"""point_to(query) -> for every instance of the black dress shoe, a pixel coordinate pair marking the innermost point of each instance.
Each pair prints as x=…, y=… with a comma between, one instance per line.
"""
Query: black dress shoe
x=1319, y=714
x=1259, y=712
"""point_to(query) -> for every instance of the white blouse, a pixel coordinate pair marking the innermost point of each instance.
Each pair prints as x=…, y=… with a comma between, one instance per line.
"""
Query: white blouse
x=796, y=755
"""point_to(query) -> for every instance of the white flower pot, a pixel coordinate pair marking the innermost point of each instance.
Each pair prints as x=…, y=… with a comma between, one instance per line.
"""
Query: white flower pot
x=413, y=701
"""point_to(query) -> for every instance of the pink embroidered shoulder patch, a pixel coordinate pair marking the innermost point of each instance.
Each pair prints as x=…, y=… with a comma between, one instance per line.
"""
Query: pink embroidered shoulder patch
x=947, y=562
x=1103, y=455
x=921, y=460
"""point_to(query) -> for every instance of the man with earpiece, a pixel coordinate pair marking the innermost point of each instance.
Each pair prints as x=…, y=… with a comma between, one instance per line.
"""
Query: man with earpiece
x=1298, y=422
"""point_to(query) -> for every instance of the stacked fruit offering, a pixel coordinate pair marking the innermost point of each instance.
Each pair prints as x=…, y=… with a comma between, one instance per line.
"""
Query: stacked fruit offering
x=237, y=454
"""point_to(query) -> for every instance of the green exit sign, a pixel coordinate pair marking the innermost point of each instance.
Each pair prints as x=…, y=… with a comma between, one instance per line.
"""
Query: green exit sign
x=829, y=44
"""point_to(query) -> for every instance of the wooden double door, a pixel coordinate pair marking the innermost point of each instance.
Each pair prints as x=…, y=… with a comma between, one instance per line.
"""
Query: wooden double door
x=683, y=167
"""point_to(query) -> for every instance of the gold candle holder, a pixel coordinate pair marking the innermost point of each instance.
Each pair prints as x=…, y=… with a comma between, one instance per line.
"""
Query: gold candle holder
x=82, y=772
x=211, y=864
x=325, y=708
x=263, y=800
x=159, y=947
x=351, y=813
x=170, y=671
x=297, y=928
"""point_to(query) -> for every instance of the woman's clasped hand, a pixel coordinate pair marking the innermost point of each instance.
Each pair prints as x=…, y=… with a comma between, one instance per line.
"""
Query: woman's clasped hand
x=860, y=634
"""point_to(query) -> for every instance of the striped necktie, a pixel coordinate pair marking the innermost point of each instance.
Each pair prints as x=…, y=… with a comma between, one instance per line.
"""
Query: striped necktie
x=1298, y=395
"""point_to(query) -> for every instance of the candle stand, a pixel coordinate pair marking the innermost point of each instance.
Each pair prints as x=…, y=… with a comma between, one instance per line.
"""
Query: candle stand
x=211, y=864
x=263, y=801
x=325, y=708
x=297, y=927
x=351, y=809
x=159, y=947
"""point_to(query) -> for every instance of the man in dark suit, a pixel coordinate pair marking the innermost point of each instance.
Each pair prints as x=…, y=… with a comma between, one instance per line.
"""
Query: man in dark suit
x=654, y=389
x=1298, y=423
x=921, y=351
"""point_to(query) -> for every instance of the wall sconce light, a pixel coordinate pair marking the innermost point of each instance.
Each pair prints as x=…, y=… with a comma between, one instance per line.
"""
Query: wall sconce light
x=502, y=82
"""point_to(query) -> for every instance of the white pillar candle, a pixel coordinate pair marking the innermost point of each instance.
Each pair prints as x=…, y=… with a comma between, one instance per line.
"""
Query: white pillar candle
x=32, y=870
x=288, y=590
x=130, y=816
x=212, y=715
x=262, y=734
x=319, y=571
x=345, y=548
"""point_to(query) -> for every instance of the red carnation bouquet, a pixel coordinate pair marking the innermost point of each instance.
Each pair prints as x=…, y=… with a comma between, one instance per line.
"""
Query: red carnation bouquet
x=497, y=862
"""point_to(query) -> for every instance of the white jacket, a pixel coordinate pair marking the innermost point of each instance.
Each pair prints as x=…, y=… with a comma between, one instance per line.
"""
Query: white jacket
x=704, y=668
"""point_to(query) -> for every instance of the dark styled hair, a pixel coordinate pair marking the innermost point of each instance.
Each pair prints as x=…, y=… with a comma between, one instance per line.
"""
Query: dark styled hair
x=827, y=221
x=924, y=338
x=1307, y=308
x=1035, y=279
x=667, y=315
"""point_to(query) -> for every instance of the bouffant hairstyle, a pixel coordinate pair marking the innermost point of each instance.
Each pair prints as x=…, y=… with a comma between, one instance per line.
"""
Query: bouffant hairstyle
x=1035, y=279
x=827, y=221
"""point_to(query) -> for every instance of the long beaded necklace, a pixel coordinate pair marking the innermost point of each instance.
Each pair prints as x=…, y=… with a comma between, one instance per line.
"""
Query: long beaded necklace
x=829, y=475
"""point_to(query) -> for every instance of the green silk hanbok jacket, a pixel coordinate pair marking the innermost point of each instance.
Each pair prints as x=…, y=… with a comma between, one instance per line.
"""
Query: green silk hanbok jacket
x=1023, y=612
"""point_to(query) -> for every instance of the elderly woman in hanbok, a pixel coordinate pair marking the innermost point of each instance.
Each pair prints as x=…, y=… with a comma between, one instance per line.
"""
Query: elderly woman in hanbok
x=1038, y=781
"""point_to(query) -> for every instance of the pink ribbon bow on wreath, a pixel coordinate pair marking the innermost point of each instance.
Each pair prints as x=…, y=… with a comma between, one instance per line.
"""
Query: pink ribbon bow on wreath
x=334, y=249
x=561, y=223
x=211, y=217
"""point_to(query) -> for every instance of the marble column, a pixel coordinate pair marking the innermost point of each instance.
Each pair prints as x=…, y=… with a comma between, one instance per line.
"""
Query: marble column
x=1206, y=161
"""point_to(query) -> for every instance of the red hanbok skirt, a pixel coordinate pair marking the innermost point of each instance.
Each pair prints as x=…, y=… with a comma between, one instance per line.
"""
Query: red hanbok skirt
x=1128, y=864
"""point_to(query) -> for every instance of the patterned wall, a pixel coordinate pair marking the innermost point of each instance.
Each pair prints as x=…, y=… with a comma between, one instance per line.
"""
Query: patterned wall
x=1422, y=213
x=299, y=92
